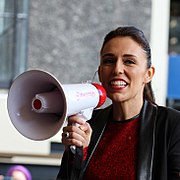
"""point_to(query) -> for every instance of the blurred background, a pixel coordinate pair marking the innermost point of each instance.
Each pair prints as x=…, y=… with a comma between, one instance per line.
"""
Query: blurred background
x=64, y=37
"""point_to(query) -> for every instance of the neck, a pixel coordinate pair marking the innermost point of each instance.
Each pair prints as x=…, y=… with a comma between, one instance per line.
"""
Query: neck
x=126, y=110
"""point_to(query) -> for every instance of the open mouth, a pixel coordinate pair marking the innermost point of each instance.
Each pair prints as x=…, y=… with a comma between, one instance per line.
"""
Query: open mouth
x=118, y=84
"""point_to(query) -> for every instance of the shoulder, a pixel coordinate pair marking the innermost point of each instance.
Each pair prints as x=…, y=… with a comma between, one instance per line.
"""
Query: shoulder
x=163, y=117
x=99, y=114
x=170, y=117
x=168, y=112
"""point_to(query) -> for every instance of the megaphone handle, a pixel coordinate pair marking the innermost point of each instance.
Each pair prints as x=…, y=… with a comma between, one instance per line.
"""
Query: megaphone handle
x=73, y=149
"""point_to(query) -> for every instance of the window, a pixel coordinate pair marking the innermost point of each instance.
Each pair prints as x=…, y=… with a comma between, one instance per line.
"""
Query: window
x=173, y=93
x=13, y=39
x=174, y=27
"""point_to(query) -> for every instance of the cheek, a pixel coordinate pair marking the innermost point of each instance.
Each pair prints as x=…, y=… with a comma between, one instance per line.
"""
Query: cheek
x=138, y=72
x=105, y=71
x=139, y=77
x=103, y=75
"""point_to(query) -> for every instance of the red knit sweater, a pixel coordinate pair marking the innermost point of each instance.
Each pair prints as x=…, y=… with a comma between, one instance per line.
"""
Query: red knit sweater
x=115, y=157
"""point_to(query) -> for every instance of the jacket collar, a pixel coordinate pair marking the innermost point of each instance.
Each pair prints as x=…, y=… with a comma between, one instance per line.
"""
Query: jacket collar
x=146, y=144
x=98, y=124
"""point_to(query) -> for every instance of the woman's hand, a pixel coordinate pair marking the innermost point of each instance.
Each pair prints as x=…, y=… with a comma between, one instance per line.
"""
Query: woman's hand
x=78, y=132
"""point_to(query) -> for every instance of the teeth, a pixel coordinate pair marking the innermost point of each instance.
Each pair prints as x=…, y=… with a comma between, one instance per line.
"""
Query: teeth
x=118, y=83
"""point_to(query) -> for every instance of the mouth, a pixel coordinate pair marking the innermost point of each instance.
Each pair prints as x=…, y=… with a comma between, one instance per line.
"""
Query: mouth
x=118, y=84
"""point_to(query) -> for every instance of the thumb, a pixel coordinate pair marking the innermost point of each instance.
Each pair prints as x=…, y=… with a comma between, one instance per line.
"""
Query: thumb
x=86, y=128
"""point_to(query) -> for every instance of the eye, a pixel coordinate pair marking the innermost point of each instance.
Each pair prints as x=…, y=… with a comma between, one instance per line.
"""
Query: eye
x=108, y=61
x=129, y=61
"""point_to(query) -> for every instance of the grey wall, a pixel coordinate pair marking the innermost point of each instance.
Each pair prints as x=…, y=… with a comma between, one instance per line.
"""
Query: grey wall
x=65, y=35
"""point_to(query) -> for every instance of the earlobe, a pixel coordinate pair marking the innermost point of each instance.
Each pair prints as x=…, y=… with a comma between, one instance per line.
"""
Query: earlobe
x=149, y=74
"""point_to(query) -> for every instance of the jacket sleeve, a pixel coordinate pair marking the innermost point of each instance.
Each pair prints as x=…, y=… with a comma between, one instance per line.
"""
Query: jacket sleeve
x=174, y=150
x=71, y=164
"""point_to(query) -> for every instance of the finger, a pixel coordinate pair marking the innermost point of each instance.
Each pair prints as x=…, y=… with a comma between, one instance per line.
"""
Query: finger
x=73, y=128
x=75, y=119
x=85, y=127
x=78, y=136
x=73, y=132
x=74, y=139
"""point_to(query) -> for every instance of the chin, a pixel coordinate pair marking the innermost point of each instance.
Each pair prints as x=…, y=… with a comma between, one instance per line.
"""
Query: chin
x=117, y=98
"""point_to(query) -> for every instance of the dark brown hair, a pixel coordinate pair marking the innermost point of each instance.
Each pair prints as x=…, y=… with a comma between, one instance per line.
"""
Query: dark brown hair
x=138, y=36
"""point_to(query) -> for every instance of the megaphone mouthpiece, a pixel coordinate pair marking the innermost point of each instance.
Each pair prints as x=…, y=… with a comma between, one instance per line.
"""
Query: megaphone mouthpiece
x=49, y=102
x=36, y=104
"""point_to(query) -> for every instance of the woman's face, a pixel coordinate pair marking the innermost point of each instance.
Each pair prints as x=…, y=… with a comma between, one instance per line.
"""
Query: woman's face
x=123, y=69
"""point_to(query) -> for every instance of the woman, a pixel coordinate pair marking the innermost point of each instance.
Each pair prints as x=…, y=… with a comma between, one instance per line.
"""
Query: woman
x=133, y=138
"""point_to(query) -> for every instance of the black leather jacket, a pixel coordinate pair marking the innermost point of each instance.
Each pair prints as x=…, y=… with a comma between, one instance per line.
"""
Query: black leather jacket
x=158, y=148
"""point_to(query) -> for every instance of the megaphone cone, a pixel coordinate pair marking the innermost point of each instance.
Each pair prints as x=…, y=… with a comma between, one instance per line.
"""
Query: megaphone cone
x=38, y=104
x=34, y=125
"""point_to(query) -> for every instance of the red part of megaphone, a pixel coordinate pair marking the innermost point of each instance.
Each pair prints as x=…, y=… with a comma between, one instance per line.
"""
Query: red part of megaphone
x=102, y=94
x=38, y=104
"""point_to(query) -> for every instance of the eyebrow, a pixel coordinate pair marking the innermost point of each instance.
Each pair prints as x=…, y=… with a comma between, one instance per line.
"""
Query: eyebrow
x=125, y=55
x=108, y=54
x=129, y=55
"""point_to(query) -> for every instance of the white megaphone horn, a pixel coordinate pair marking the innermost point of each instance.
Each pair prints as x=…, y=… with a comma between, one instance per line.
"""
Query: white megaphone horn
x=38, y=104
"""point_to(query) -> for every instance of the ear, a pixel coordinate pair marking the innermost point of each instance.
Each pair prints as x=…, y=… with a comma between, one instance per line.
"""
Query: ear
x=149, y=74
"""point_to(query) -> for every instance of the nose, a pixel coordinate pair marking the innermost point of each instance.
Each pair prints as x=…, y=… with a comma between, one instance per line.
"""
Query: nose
x=118, y=67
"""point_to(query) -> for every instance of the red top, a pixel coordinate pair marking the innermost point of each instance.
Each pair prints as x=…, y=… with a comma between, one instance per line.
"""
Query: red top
x=116, y=154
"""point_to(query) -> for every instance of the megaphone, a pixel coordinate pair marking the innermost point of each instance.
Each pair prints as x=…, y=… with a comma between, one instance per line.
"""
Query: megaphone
x=38, y=104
